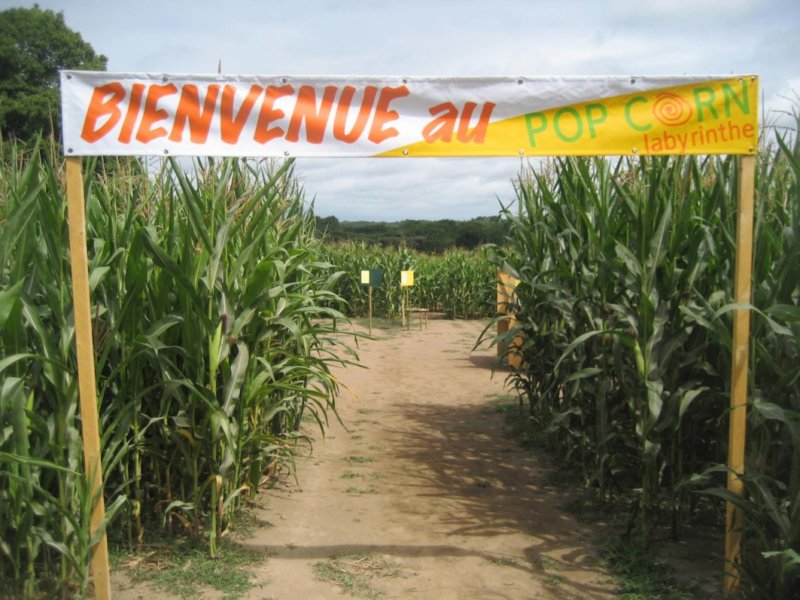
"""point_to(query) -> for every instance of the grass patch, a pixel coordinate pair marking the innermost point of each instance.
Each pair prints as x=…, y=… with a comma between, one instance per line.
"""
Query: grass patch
x=505, y=562
x=357, y=436
x=548, y=564
x=353, y=573
x=186, y=570
x=554, y=579
x=368, y=490
x=354, y=475
x=551, y=569
x=641, y=576
x=245, y=522
x=358, y=460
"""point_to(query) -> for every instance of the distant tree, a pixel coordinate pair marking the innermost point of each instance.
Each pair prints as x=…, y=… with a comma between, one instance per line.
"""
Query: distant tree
x=34, y=45
x=327, y=226
x=469, y=235
x=426, y=236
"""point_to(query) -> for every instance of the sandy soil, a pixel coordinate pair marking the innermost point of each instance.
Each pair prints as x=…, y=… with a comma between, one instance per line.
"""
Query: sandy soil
x=423, y=494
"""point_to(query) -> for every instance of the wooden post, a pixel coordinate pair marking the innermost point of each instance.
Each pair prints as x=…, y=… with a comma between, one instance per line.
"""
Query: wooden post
x=406, y=309
x=739, y=367
x=506, y=287
x=86, y=377
x=502, y=308
x=370, y=308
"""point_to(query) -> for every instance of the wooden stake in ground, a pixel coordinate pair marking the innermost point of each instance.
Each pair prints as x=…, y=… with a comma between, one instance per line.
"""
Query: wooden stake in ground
x=739, y=367
x=86, y=377
x=408, y=309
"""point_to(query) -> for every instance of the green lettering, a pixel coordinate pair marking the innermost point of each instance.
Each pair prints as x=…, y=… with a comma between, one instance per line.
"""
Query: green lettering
x=532, y=131
x=557, y=124
x=708, y=102
x=629, y=118
x=602, y=115
x=743, y=101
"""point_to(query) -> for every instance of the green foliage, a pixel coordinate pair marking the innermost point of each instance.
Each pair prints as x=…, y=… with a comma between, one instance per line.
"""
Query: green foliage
x=189, y=572
x=354, y=573
x=460, y=283
x=422, y=236
x=641, y=576
x=625, y=303
x=211, y=345
x=34, y=45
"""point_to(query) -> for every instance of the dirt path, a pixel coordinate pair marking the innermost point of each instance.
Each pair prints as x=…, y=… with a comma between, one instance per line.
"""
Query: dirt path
x=424, y=492
x=423, y=495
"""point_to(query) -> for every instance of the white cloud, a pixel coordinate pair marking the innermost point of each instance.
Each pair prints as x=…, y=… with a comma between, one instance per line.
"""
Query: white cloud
x=396, y=189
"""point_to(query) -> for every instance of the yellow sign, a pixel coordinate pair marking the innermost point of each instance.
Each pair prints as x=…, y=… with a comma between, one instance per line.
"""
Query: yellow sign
x=364, y=277
x=712, y=117
x=406, y=278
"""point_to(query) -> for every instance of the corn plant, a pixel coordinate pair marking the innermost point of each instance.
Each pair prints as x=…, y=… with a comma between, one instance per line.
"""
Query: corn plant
x=771, y=503
x=212, y=341
x=45, y=503
x=625, y=302
x=457, y=282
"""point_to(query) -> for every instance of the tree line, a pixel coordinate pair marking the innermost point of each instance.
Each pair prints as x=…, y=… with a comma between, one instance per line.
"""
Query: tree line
x=424, y=236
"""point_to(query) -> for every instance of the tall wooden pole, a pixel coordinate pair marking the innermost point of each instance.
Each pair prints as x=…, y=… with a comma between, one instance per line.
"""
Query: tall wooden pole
x=739, y=367
x=86, y=377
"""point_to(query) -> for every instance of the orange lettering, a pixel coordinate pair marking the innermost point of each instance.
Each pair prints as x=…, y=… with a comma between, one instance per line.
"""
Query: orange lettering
x=383, y=115
x=189, y=110
x=134, y=104
x=104, y=103
x=478, y=133
x=230, y=126
x=269, y=113
x=306, y=110
x=147, y=131
x=442, y=127
x=340, y=120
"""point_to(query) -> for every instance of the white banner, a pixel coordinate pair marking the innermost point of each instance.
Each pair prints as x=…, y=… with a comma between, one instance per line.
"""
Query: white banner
x=229, y=115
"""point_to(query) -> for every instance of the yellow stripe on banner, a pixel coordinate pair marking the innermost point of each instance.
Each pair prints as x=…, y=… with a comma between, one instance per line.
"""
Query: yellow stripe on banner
x=713, y=117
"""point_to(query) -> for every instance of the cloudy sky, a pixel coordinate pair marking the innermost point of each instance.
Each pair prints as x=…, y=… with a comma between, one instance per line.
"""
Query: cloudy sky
x=440, y=37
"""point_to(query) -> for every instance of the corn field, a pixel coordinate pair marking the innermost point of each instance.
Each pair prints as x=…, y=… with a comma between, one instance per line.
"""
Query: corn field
x=459, y=283
x=214, y=312
x=212, y=341
x=625, y=304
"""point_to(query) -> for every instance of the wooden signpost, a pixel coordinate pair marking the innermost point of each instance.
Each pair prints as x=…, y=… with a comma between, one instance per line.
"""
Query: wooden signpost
x=371, y=278
x=406, y=281
x=90, y=427
x=737, y=424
